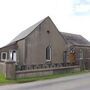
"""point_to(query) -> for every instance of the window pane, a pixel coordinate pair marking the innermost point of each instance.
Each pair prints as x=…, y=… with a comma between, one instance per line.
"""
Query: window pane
x=13, y=55
x=10, y=54
x=81, y=54
x=48, y=53
x=4, y=55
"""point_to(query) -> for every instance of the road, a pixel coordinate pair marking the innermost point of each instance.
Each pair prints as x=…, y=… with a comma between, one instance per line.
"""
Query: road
x=77, y=82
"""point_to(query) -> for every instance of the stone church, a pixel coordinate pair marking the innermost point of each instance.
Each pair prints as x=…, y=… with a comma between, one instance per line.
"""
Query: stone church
x=43, y=43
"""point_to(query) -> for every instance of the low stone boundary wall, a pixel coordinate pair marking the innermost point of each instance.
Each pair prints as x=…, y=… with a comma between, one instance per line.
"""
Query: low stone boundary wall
x=8, y=68
x=43, y=72
x=87, y=64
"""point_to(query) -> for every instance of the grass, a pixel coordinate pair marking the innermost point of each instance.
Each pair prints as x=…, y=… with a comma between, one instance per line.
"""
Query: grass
x=31, y=79
x=3, y=80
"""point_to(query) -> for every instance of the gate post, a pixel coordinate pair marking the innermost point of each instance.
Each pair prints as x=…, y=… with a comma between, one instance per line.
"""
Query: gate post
x=10, y=69
x=82, y=65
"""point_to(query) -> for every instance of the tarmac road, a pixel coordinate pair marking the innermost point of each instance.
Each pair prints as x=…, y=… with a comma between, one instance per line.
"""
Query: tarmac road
x=76, y=82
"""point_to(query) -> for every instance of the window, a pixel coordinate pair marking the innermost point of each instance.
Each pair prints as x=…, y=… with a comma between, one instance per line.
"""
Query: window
x=13, y=55
x=48, y=53
x=4, y=56
x=65, y=56
x=81, y=54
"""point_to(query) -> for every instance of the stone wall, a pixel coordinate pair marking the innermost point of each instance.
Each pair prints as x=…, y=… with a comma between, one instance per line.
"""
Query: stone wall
x=2, y=68
x=44, y=72
x=10, y=70
x=33, y=73
x=7, y=68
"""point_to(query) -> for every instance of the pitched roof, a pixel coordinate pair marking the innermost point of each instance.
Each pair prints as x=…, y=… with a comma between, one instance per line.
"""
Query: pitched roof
x=69, y=38
x=75, y=39
x=26, y=32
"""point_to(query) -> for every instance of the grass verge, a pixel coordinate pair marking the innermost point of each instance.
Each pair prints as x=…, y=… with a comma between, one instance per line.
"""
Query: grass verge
x=3, y=80
x=31, y=79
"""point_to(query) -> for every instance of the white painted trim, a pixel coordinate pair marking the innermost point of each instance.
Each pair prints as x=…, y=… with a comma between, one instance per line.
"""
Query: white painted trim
x=11, y=55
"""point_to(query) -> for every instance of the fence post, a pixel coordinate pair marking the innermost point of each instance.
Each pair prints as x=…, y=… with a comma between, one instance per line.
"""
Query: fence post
x=82, y=65
x=10, y=69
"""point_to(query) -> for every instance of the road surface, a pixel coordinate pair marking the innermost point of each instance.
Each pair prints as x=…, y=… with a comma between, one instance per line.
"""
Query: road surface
x=77, y=82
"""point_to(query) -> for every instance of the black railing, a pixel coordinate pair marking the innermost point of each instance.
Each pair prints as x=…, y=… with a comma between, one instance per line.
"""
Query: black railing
x=40, y=66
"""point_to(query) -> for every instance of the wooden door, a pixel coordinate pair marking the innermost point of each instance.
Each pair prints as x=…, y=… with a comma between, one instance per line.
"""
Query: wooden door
x=72, y=57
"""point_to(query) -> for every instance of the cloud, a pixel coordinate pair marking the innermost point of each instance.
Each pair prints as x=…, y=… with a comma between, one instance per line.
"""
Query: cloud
x=81, y=7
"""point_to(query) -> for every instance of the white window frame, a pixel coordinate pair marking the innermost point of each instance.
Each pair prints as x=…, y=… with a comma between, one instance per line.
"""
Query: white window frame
x=11, y=55
x=2, y=56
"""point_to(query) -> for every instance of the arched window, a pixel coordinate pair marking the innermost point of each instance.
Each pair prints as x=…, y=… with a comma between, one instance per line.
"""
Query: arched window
x=48, y=53
x=81, y=54
x=13, y=55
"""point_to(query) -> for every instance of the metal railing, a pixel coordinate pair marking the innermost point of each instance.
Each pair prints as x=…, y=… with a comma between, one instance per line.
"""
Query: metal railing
x=41, y=66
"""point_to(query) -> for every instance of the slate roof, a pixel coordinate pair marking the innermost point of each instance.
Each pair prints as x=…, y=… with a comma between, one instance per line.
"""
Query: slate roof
x=26, y=32
x=69, y=38
x=75, y=39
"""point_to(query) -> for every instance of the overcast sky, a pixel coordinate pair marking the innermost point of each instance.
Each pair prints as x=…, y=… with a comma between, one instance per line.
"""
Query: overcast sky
x=71, y=16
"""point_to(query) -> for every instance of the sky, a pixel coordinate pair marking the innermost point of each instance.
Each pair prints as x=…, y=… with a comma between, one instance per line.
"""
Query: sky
x=72, y=16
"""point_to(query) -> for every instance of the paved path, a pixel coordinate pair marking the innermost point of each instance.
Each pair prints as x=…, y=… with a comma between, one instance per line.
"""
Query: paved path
x=78, y=82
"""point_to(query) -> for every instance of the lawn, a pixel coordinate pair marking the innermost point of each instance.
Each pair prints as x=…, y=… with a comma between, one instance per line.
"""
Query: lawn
x=31, y=79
